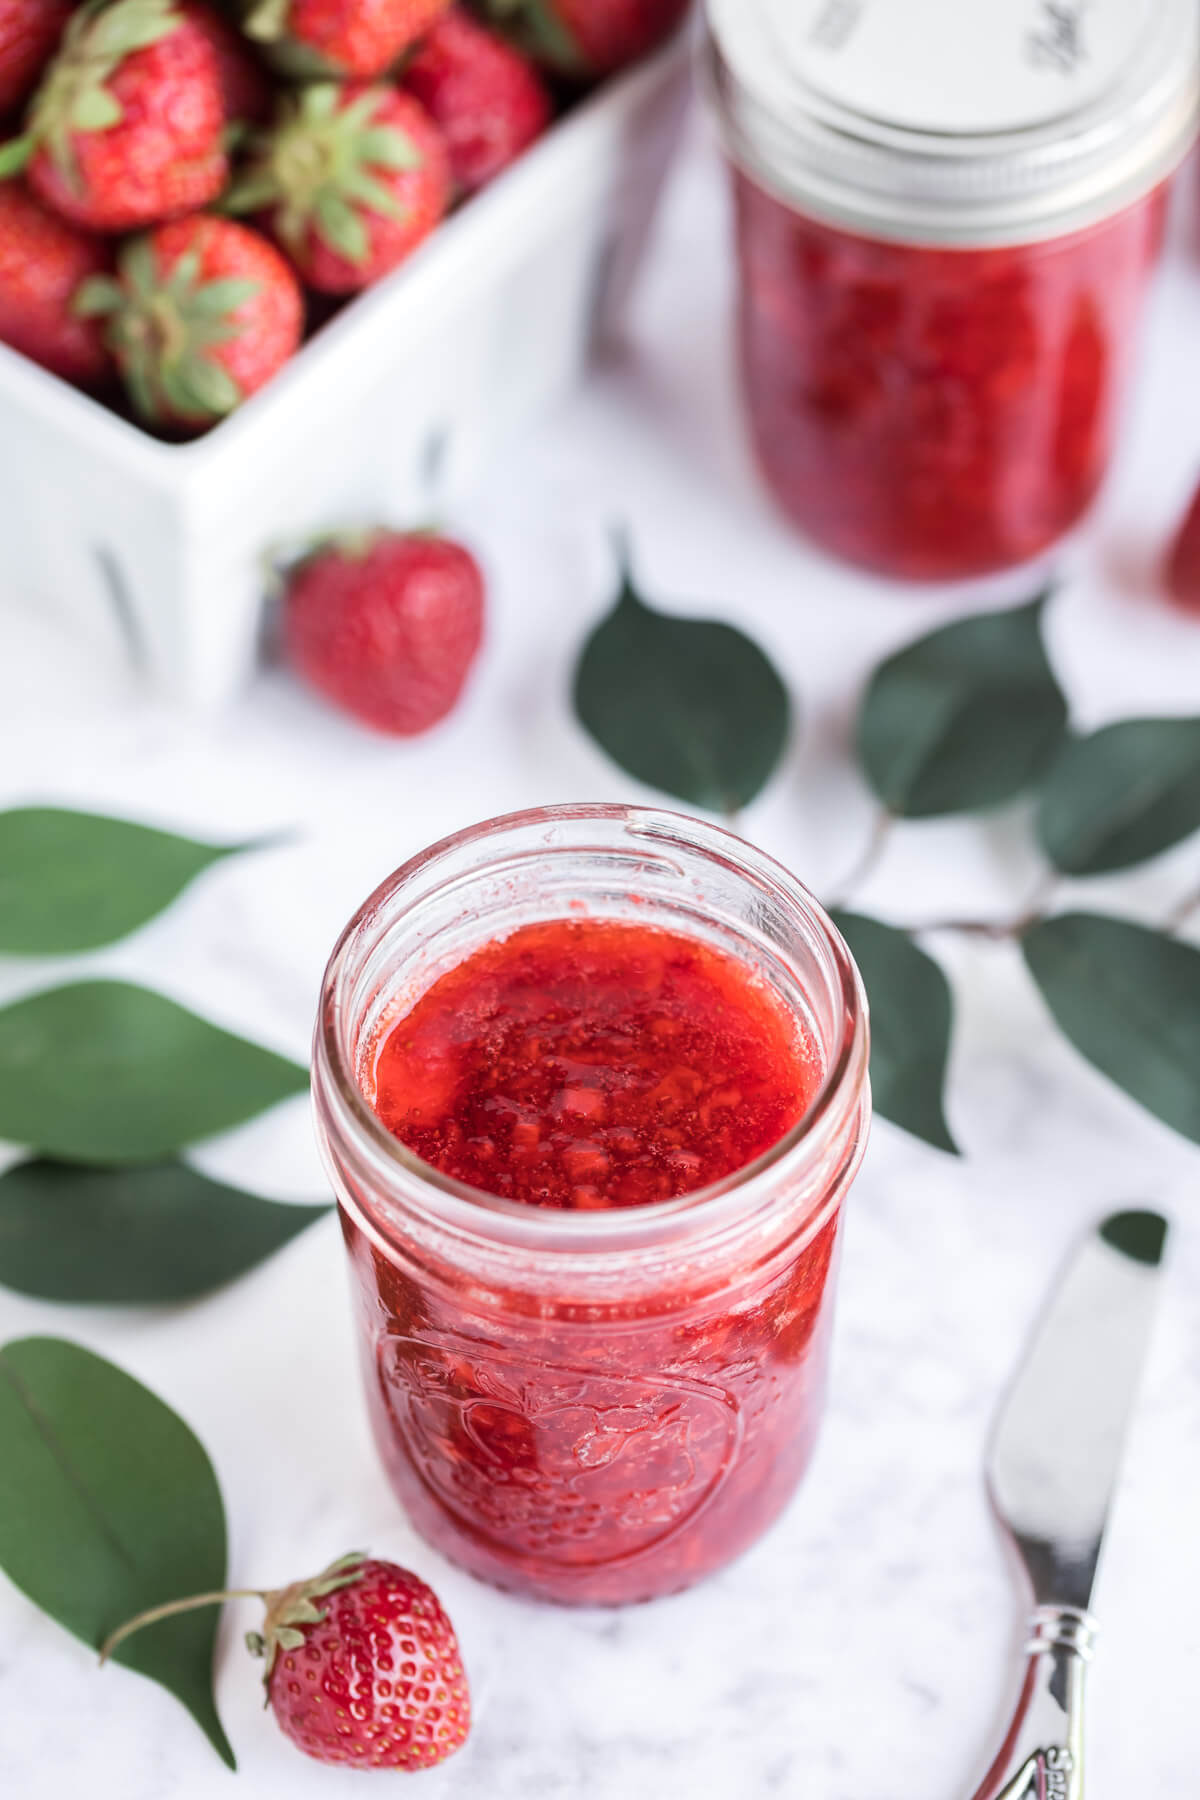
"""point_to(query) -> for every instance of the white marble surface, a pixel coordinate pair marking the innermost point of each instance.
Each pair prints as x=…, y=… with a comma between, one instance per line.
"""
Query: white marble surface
x=863, y=1650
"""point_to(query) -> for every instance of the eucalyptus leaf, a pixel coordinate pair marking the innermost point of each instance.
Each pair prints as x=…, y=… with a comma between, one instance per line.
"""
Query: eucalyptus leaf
x=136, y=1236
x=109, y=1506
x=911, y=1017
x=965, y=718
x=73, y=881
x=1122, y=795
x=1129, y=1000
x=687, y=705
x=106, y=1072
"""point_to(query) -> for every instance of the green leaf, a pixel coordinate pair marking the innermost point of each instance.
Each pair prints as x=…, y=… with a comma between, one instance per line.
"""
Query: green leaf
x=1121, y=795
x=208, y=385
x=1129, y=1000
x=137, y=1236
x=95, y=109
x=14, y=156
x=73, y=881
x=251, y=192
x=108, y=1506
x=217, y=298
x=963, y=719
x=386, y=147
x=97, y=295
x=341, y=227
x=911, y=1017
x=686, y=705
x=105, y=1072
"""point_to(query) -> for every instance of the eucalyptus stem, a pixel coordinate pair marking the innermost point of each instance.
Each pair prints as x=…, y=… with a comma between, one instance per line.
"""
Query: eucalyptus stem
x=868, y=860
x=1001, y=930
x=170, y=1609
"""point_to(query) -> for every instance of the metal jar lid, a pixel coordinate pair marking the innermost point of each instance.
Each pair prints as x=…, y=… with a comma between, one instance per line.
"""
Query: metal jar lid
x=959, y=122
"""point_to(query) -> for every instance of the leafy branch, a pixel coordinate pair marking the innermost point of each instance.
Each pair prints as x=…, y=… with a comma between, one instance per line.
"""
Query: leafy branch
x=965, y=719
x=106, y=1082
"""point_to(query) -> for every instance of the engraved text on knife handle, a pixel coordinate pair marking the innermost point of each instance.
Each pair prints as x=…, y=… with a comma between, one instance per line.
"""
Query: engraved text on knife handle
x=1042, y=1756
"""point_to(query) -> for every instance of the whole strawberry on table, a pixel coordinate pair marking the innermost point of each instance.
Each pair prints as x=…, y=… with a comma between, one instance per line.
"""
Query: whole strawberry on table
x=337, y=132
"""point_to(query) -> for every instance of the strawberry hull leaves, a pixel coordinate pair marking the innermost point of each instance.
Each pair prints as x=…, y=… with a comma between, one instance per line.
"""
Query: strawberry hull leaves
x=204, y=311
x=351, y=179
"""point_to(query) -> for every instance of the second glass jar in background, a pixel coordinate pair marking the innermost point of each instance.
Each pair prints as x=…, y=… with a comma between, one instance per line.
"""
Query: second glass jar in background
x=946, y=219
x=599, y=1406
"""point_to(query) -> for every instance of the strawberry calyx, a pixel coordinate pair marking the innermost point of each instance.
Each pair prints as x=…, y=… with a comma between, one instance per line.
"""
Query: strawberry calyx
x=288, y=1609
x=316, y=169
x=291, y=1609
x=539, y=30
x=267, y=23
x=74, y=97
x=163, y=328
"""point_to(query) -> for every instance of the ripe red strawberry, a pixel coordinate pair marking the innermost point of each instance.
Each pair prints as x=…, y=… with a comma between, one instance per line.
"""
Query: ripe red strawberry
x=587, y=38
x=339, y=37
x=43, y=260
x=488, y=100
x=126, y=128
x=202, y=313
x=1183, y=560
x=350, y=180
x=374, y=1677
x=387, y=626
x=362, y=1665
x=29, y=30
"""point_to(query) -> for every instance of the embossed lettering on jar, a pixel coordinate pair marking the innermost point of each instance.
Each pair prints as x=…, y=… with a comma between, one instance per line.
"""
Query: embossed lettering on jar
x=946, y=221
x=590, y=1398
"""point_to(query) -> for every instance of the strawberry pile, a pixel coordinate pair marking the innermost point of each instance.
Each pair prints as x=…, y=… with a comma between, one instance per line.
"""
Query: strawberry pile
x=173, y=182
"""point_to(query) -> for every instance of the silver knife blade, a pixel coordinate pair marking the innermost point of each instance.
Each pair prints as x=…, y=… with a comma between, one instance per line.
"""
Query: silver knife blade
x=1056, y=1447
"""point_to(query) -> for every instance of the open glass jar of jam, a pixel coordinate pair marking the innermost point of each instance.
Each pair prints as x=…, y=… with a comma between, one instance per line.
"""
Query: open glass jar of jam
x=946, y=217
x=591, y=1378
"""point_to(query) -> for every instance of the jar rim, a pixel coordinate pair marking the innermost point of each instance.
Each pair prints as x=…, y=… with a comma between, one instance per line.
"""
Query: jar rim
x=891, y=177
x=455, y=1204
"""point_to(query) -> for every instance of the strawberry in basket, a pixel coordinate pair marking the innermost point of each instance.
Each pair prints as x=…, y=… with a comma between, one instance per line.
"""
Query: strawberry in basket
x=349, y=181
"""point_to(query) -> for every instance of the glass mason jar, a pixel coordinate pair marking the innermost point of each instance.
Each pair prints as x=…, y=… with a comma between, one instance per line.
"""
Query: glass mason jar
x=591, y=1406
x=946, y=218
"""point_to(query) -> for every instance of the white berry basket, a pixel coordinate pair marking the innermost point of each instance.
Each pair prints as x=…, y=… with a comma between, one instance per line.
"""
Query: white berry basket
x=392, y=407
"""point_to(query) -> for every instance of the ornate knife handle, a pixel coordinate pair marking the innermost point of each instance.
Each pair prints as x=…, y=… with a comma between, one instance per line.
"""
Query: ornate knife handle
x=1042, y=1756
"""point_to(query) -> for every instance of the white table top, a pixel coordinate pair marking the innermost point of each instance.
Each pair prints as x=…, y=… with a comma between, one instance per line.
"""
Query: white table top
x=863, y=1651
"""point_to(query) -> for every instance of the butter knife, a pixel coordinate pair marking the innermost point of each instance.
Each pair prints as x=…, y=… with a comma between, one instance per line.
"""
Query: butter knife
x=1052, y=1466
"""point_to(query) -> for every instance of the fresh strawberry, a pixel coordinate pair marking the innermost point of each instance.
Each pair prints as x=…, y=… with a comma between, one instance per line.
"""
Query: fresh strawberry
x=350, y=180
x=247, y=97
x=362, y=1665
x=126, y=128
x=339, y=37
x=386, y=626
x=201, y=314
x=43, y=260
x=1183, y=560
x=488, y=100
x=373, y=1678
x=586, y=38
x=29, y=30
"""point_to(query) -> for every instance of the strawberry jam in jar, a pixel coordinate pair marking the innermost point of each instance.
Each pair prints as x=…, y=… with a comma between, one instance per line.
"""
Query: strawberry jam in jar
x=947, y=214
x=591, y=1085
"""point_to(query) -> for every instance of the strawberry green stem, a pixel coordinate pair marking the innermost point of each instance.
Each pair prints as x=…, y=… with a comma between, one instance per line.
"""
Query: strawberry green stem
x=173, y=1607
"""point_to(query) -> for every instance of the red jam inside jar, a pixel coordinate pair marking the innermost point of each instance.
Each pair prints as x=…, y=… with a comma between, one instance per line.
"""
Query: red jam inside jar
x=588, y=1064
x=947, y=215
x=592, y=1388
x=933, y=413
